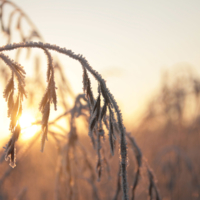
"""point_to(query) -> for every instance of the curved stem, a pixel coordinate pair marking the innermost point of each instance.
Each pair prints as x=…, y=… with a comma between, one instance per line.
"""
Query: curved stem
x=101, y=81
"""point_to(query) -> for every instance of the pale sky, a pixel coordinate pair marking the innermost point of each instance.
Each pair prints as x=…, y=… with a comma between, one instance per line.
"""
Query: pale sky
x=129, y=42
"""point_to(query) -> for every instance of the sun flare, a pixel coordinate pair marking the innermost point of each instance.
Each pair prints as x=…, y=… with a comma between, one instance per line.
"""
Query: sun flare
x=27, y=129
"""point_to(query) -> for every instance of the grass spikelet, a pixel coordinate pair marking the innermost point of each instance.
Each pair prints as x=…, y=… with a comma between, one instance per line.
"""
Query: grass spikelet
x=10, y=147
x=44, y=101
x=45, y=119
x=105, y=96
x=14, y=114
x=85, y=80
x=112, y=137
x=95, y=113
x=96, y=105
x=87, y=87
x=49, y=96
x=10, y=102
x=11, y=156
x=9, y=88
x=100, y=134
x=14, y=108
x=103, y=110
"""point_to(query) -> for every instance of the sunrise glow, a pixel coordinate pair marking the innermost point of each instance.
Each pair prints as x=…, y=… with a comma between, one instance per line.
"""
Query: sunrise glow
x=28, y=130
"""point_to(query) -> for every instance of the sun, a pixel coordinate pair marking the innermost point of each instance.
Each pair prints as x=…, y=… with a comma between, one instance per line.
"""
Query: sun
x=27, y=129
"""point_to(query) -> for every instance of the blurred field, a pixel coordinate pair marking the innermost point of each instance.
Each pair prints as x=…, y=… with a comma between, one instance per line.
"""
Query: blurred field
x=168, y=136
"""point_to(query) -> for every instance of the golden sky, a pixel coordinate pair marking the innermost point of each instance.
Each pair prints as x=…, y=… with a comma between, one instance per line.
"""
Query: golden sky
x=129, y=42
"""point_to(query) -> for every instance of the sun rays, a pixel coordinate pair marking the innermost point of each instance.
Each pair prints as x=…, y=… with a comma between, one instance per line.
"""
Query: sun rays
x=27, y=129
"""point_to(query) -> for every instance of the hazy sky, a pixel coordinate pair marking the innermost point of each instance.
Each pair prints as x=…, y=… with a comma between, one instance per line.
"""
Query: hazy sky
x=128, y=42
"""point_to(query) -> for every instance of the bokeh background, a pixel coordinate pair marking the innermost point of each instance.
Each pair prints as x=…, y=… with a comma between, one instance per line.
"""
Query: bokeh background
x=149, y=54
x=130, y=43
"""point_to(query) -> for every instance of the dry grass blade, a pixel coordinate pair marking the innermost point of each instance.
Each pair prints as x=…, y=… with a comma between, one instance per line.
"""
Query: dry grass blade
x=118, y=185
x=7, y=30
x=14, y=108
x=112, y=137
x=138, y=155
x=15, y=68
x=152, y=186
x=99, y=162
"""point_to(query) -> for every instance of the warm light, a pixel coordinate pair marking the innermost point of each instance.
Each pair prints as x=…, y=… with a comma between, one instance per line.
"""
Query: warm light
x=27, y=130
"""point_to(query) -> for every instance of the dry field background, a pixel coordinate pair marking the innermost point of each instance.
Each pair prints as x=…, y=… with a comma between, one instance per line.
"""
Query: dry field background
x=163, y=149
